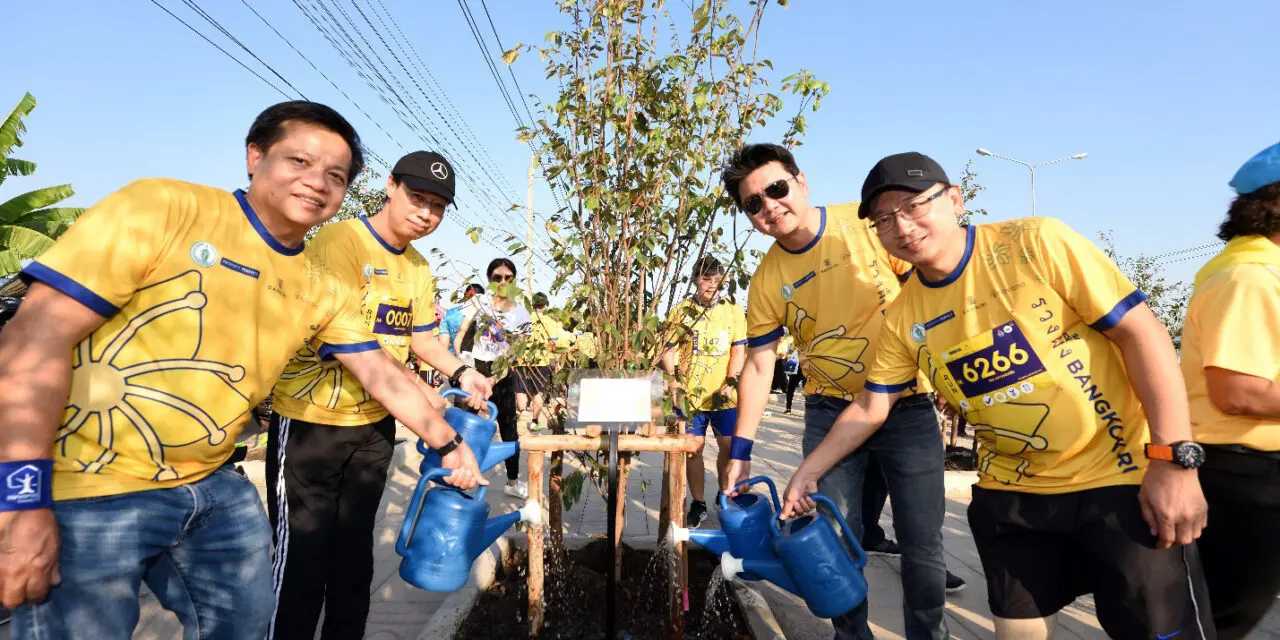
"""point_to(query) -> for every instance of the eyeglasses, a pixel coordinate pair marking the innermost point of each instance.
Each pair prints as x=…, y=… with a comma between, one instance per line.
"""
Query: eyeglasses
x=914, y=209
x=774, y=191
x=501, y=277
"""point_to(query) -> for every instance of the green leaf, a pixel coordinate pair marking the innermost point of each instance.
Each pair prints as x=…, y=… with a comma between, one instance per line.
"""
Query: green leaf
x=16, y=167
x=13, y=128
x=474, y=234
x=592, y=203
x=18, y=206
x=27, y=242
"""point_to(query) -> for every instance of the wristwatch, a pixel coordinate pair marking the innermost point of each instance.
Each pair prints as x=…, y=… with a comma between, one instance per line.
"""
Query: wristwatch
x=457, y=375
x=1183, y=453
x=450, y=446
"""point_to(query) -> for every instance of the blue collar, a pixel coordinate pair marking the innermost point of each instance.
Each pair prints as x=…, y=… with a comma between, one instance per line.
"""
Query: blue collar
x=816, y=238
x=971, y=231
x=271, y=241
x=382, y=242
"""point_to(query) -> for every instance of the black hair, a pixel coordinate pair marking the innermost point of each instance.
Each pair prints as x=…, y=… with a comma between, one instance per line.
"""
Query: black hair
x=1253, y=214
x=708, y=266
x=500, y=262
x=752, y=157
x=268, y=128
x=540, y=301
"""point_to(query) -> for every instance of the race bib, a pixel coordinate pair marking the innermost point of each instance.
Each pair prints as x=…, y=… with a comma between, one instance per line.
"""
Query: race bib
x=992, y=368
x=711, y=343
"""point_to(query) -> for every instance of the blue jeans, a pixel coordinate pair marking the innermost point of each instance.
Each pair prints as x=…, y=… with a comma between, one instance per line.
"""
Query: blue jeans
x=203, y=548
x=909, y=448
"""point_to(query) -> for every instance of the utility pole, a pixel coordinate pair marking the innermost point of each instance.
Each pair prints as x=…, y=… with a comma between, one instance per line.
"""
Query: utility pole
x=528, y=235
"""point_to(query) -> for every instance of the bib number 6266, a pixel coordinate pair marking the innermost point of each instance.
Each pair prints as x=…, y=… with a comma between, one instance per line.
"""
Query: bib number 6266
x=982, y=368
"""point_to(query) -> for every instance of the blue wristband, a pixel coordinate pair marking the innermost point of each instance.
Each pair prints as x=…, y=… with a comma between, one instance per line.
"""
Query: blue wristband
x=740, y=448
x=26, y=484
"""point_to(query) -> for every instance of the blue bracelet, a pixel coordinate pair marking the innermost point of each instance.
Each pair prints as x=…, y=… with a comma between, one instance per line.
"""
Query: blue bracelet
x=26, y=484
x=740, y=448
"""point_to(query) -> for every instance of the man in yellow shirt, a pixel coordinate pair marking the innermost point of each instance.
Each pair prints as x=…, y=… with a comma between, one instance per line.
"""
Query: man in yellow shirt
x=331, y=442
x=709, y=335
x=152, y=329
x=1065, y=374
x=533, y=375
x=1231, y=360
x=828, y=280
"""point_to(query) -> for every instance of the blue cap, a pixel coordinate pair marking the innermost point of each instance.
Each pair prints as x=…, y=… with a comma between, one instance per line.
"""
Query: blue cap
x=1260, y=171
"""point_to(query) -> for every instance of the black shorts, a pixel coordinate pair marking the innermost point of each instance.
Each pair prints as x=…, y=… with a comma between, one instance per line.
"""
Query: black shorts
x=533, y=380
x=1040, y=552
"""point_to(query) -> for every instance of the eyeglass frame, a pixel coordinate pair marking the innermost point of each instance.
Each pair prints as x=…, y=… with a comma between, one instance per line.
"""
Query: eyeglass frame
x=885, y=223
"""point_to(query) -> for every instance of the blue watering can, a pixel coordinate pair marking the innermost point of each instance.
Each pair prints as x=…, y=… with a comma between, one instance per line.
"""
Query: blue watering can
x=745, y=533
x=476, y=431
x=446, y=529
x=819, y=565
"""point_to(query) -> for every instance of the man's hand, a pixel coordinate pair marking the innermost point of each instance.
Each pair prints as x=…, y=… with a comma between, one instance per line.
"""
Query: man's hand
x=796, y=500
x=29, y=544
x=1173, y=504
x=478, y=385
x=466, y=471
x=738, y=472
x=730, y=393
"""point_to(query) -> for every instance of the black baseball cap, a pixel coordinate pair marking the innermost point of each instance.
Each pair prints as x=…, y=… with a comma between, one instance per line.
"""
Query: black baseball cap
x=910, y=171
x=426, y=171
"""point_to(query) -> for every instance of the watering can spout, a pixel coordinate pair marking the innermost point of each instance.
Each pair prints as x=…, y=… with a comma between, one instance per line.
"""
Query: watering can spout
x=711, y=540
x=499, y=452
x=495, y=527
x=769, y=569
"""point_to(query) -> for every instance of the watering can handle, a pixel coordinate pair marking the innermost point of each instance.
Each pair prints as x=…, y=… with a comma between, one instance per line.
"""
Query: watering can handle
x=493, y=408
x=411, y=516
x=861, y=560
x=723, y=499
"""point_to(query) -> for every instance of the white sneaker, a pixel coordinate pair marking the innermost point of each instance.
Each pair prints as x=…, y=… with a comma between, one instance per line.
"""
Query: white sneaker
x=517, y=490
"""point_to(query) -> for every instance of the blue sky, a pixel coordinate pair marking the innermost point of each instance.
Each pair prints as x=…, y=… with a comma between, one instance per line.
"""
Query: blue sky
x=1167, y=98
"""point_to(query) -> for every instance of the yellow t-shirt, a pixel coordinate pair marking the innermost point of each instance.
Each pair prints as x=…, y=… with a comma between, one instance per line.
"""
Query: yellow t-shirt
x=396, y=293
x=784, y=347
x=204, y=308
x=831, y=295
x=1231, y=324
x=1012, y=338
x=704, y=337
x=545, y=335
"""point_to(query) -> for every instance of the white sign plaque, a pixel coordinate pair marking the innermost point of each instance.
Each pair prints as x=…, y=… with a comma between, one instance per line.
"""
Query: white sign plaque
x=615, y=400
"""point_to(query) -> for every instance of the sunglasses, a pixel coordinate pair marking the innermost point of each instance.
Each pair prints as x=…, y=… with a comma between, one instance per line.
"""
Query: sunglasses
x=774, y=191
x=501, y=277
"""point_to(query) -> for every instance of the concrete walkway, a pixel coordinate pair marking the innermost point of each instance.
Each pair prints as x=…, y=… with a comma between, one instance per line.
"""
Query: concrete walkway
x=399, y=611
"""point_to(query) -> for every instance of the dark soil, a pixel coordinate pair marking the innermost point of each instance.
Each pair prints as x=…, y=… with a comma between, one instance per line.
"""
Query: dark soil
x=960, y=459
x=575, y=600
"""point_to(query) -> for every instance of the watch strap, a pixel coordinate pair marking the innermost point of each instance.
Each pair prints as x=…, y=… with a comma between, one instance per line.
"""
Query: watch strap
x=452, y=444
x=1159, y=452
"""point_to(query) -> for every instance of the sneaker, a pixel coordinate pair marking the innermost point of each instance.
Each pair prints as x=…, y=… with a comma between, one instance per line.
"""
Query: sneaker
x=885, y=547
x=697, y=513
x=517, y=490
x=955, y=584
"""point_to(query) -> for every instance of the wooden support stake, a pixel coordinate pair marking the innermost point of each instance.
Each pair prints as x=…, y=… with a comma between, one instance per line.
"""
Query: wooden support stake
x=535, y=547
x=664, y=509
x=555, y=502
x=624, y=467
x=680, y=588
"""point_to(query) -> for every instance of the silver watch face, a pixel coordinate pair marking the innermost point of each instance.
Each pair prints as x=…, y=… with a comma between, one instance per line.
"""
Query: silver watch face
x=1189, y=455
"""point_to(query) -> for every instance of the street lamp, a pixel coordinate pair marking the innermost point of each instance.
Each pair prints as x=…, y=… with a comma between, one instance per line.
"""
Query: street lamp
x=1032, y=167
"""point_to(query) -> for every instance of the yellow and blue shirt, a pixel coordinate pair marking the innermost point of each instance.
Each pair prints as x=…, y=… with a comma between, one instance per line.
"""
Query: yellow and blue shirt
x=831, y=295
x=396, y=295
x=704, y=336
x=204, y=308
x=1231, y=324
x=1013, y=339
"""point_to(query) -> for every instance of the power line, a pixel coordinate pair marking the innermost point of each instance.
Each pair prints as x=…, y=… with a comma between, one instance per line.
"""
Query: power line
x=224, y=51
x=208, y=18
